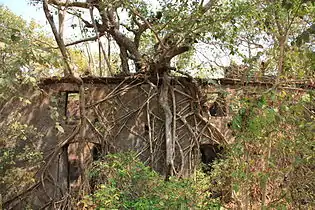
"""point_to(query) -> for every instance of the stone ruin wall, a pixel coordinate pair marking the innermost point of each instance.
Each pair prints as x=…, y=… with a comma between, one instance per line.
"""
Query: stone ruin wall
x=121, y=117
x=130, y=118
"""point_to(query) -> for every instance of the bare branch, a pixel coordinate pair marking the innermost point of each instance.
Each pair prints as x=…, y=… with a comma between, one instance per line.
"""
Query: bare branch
x=128, y=28
x=111, y=26
x=87, y=23
x=59, y=40
x=61, y=15
x=124, y=59
x=175, y=51
x=93, y=38
x=207, y=6
x=149, y=26
x=69, y=4
x=99, y=41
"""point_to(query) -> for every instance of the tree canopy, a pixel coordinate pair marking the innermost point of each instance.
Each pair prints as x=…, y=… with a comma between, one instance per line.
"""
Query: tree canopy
x=151, y=34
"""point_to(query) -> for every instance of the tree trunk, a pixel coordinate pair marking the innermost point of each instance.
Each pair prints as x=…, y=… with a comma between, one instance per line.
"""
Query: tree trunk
x=124, y=59
x=163, y=100
x=282, y=41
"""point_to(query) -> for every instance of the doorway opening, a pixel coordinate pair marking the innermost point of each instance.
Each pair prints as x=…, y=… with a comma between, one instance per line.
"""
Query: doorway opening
x=209, y=153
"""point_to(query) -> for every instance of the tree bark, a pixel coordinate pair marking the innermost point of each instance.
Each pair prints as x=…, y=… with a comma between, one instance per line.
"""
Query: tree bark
x=58, y=38
x=163, y=100
x=282, y=41
x=124, y=59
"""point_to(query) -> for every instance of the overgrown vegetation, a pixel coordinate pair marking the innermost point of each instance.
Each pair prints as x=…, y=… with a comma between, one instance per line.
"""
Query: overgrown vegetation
x=23, y=58
x=121, y=181
x=19, y=158
x=270, y=165
x=269, y=162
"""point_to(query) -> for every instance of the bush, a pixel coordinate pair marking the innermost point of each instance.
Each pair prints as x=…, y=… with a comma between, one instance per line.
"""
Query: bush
x=19, y=158
x=121, y=181
x=271, y=163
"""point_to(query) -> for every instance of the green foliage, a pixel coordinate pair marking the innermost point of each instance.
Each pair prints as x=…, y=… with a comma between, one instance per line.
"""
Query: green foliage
x=271, y=163
x=25, y=53
x=24, y=56
x=123, y=182
x=255, y=30
x=19, y=158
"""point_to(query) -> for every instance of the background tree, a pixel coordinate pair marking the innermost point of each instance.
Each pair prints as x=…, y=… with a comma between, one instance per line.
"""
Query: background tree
x=25, y=55
x=267, y=36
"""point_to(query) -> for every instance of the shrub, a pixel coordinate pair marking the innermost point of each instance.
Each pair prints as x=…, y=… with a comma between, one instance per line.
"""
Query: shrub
x=271, y=163
x=121, y=181
x=19, y=158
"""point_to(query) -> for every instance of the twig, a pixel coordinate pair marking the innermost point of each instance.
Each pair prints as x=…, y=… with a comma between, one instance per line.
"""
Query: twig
x=181, y=92
x=220, y=135
x=180, y=173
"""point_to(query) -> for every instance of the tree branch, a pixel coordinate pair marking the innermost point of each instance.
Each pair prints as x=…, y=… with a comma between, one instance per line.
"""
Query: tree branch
x=111, y=26
x=169, y=141
x=99, y=41
x=69, y=4
x=58, y=38
x=148, y=26
x=175, y=51
x=93, y=38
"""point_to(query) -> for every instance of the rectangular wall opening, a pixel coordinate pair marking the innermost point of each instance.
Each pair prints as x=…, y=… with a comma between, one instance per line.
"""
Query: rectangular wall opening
x=72, y=110
x=218, y=107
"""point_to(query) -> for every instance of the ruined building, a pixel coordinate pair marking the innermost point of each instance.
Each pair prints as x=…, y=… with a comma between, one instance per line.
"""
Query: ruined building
x=120, y=115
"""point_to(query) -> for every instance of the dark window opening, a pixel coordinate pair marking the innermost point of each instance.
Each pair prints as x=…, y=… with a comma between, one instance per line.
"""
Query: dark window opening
x=217, y=104
x=217, y=109
x=72, y=111
x=96, y=152
x=209, y=153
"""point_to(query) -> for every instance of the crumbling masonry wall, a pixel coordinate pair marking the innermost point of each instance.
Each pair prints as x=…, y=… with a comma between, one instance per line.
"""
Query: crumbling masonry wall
x=123, y=114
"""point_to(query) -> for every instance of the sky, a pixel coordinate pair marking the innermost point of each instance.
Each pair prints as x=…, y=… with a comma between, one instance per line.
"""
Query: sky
x=30, y=12
x=24, y=9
